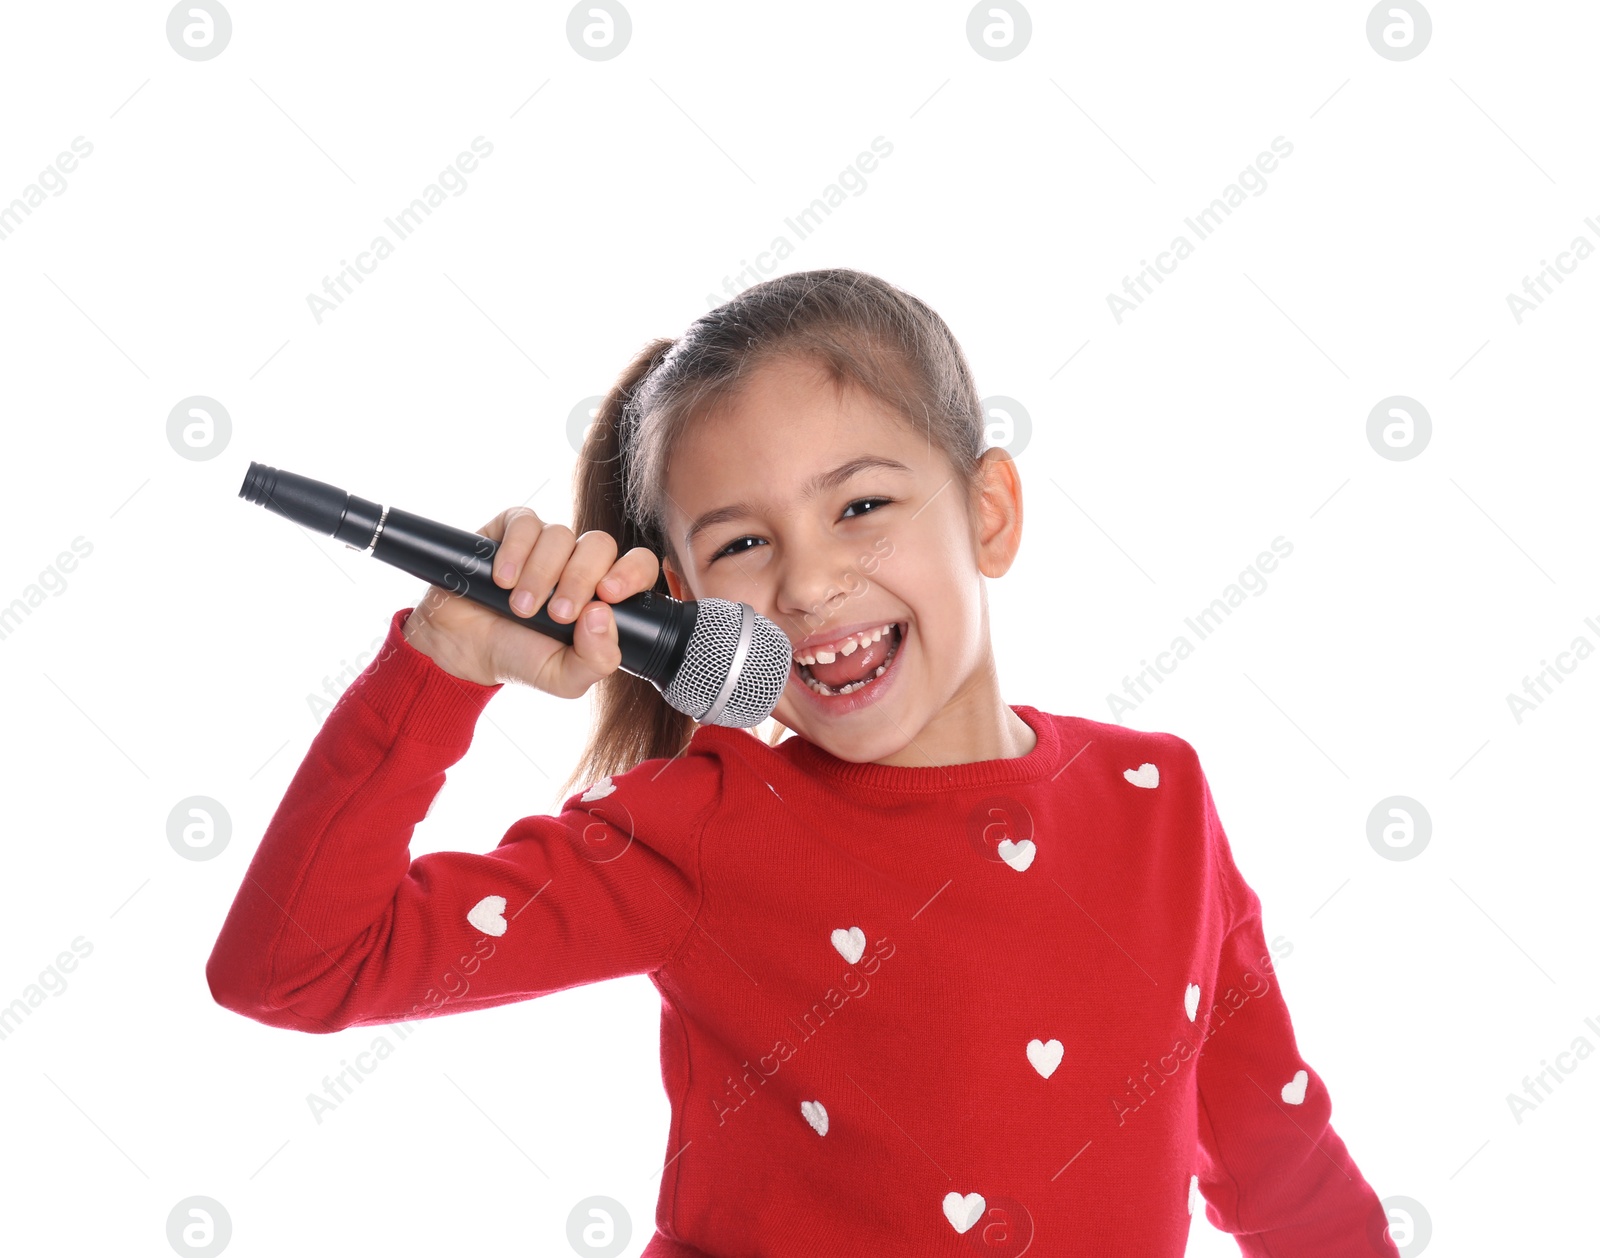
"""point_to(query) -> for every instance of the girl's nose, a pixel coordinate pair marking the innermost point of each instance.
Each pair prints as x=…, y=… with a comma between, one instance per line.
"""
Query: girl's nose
x=815, y=584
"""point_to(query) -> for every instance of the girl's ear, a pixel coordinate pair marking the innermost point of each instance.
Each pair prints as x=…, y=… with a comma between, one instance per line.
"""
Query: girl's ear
x=998, y=512
x=675, y=585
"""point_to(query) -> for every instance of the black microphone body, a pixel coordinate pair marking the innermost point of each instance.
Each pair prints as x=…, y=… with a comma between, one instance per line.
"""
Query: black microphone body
x=654, y=630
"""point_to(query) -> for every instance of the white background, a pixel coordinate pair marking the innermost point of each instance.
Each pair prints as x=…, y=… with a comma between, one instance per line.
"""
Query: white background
x=1167, y=452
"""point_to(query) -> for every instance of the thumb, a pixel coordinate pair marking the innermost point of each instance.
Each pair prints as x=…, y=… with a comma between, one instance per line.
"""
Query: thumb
x=595, y=652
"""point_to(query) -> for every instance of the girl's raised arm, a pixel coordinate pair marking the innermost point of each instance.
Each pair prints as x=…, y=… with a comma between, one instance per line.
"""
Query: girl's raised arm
x=335, y=925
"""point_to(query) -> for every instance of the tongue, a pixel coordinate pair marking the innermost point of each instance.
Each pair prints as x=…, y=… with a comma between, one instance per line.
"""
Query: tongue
x=861, y=662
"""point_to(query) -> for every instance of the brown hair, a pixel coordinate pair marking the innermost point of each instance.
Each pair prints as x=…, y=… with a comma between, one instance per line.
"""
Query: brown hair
x=857, y=329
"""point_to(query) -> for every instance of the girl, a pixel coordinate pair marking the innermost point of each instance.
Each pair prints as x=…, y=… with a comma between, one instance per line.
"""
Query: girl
x=940, y=974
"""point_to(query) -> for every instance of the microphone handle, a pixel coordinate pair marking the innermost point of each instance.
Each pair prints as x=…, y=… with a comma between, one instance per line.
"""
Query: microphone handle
x=653, y=629
x=652, y=639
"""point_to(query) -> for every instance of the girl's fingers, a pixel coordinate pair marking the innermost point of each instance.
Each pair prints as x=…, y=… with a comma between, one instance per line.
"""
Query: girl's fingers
x=582, y=577
x=635, y=572
x=591, y=559
x=516, y=529
x=594, y=653
x=551, y=550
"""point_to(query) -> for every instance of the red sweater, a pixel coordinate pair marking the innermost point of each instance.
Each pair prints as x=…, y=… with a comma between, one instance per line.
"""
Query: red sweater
x=975, y=1008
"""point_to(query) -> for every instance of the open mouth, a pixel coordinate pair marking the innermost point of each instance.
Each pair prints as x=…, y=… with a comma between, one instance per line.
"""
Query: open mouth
x=862, y=668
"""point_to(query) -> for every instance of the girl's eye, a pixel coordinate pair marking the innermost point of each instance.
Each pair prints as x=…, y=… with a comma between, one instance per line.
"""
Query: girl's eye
x=729, y=549
x=859, y=501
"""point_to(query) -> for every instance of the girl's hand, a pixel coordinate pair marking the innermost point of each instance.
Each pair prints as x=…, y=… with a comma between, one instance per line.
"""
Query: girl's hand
x=468, y=640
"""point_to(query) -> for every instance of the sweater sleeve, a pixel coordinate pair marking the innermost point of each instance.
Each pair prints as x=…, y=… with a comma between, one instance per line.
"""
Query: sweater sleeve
x=1272, y=1169
x=335, y=925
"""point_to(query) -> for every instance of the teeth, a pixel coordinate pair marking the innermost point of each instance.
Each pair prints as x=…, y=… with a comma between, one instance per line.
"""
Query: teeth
x=847, y=647
x=822, y=688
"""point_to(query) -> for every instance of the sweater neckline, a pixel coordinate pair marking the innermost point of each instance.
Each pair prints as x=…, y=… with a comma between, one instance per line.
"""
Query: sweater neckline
x=813, y=759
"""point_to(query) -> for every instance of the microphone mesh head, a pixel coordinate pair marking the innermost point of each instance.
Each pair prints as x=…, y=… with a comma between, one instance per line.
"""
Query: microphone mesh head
x=709, y=658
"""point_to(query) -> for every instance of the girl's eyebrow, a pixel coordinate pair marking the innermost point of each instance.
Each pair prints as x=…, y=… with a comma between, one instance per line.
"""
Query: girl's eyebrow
x=821, y=481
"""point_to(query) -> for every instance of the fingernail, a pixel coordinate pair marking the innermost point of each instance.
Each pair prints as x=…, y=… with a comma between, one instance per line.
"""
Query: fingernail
x=597, y=619
x=522, y=601
x=561, y=608
x=505, y=572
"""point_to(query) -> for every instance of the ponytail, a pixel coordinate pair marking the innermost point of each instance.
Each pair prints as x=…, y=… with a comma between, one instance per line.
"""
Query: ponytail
x=632, y=722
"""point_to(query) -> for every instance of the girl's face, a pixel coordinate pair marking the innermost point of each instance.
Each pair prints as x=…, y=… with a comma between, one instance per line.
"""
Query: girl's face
x=833, y=518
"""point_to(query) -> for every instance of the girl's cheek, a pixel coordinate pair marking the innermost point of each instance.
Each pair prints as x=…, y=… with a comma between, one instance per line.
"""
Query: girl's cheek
x=882, y=548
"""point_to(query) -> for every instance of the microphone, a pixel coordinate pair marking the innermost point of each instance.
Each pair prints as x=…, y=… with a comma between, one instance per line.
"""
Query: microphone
x=715, y=660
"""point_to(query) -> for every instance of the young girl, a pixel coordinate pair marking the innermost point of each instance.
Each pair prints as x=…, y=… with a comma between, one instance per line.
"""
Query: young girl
x=940, y=974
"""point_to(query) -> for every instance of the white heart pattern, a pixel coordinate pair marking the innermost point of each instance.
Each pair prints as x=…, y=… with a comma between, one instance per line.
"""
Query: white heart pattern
x=1191, y=1000
x=488, y=915
x=599, y=790
x=815, y=1115
x=1045, y=1055
x=963, y=1212
x=1295, y=1090
x=850, y=943
x=1146, y=775
x=1018, y=855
